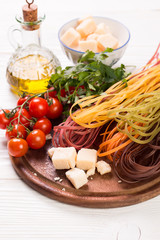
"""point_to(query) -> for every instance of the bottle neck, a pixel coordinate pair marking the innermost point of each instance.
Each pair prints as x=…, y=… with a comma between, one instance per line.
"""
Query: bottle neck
x=31, y=37
x=30, y=31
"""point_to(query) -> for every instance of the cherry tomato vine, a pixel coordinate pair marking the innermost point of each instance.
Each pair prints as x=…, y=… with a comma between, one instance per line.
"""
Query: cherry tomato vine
x=28, y=123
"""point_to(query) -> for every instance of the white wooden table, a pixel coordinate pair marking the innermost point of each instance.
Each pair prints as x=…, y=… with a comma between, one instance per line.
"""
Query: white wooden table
x=24, y=213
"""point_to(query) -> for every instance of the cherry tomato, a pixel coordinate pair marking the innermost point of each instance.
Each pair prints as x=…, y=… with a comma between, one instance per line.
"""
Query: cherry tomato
x=36, y=139
x=44, y=124
x=71, y=90
x=55, y=109
x=17, y=131
x=38, y=107
x=63, y=93
x=22, y=100
x=53, y=93
x=82, y=86
x=24, y=118
x=4, y=121
x=17, y=147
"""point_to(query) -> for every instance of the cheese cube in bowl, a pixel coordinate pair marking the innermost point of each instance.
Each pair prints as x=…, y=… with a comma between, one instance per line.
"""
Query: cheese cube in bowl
x=86, y=27
x=106, y=32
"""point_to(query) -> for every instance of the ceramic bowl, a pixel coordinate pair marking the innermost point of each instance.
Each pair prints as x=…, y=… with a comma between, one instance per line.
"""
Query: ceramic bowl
x=117, y=29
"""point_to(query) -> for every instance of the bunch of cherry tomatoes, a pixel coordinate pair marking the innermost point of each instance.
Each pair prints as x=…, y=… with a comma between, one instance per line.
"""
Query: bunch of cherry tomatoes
x=29, y=122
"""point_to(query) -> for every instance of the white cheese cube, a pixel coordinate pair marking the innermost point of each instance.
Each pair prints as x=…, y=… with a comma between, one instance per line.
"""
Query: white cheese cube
x=86, y=158
x=86, y=27
x=92, y=36
x=99, y=50
x=84, y=18
x=102, y=28
x=51, y=151
x=88, y=45
x=77, y=177
x=107, y=40
x=91, y=172
x=70, y=37
x=64, y=158
x=103, y=167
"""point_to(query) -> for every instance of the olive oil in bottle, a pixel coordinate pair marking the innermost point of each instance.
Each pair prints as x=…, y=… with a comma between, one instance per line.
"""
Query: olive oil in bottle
x=30, y=74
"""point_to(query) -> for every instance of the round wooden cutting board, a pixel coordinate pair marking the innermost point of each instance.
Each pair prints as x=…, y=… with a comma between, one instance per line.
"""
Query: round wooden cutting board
x=106, y=191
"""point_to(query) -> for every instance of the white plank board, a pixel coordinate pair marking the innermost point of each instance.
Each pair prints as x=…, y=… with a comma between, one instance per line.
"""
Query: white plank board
x=24, y=213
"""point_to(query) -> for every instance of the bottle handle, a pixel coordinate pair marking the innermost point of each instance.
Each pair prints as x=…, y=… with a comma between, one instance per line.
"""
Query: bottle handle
x=11, y=36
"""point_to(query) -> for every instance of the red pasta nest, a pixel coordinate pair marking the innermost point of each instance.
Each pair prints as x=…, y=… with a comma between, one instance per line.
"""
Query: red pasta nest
x=70, y=134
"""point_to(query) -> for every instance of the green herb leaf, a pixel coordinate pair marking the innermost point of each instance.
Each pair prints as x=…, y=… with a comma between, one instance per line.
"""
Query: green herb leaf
x=88, y=55
x=90, y=76
x=108, y=50
x=91, y=86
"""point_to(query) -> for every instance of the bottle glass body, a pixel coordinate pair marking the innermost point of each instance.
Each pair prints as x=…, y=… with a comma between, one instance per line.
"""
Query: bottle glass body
x=31, y=66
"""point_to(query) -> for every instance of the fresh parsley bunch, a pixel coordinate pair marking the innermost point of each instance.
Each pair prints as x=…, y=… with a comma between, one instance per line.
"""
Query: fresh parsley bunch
x=90, y=76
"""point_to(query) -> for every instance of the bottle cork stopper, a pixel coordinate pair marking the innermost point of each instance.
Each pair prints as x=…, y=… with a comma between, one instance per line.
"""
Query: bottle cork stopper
x=30, y=15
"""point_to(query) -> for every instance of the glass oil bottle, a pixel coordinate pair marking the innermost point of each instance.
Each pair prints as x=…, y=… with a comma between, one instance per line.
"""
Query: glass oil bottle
x=31, y=66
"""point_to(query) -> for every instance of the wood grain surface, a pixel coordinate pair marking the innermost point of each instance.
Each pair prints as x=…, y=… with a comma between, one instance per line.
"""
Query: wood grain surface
x=37, y=170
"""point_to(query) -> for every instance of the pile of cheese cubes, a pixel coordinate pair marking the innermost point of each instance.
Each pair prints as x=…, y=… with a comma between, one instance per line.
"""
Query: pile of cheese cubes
x=88, y=35
x=78, y=163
